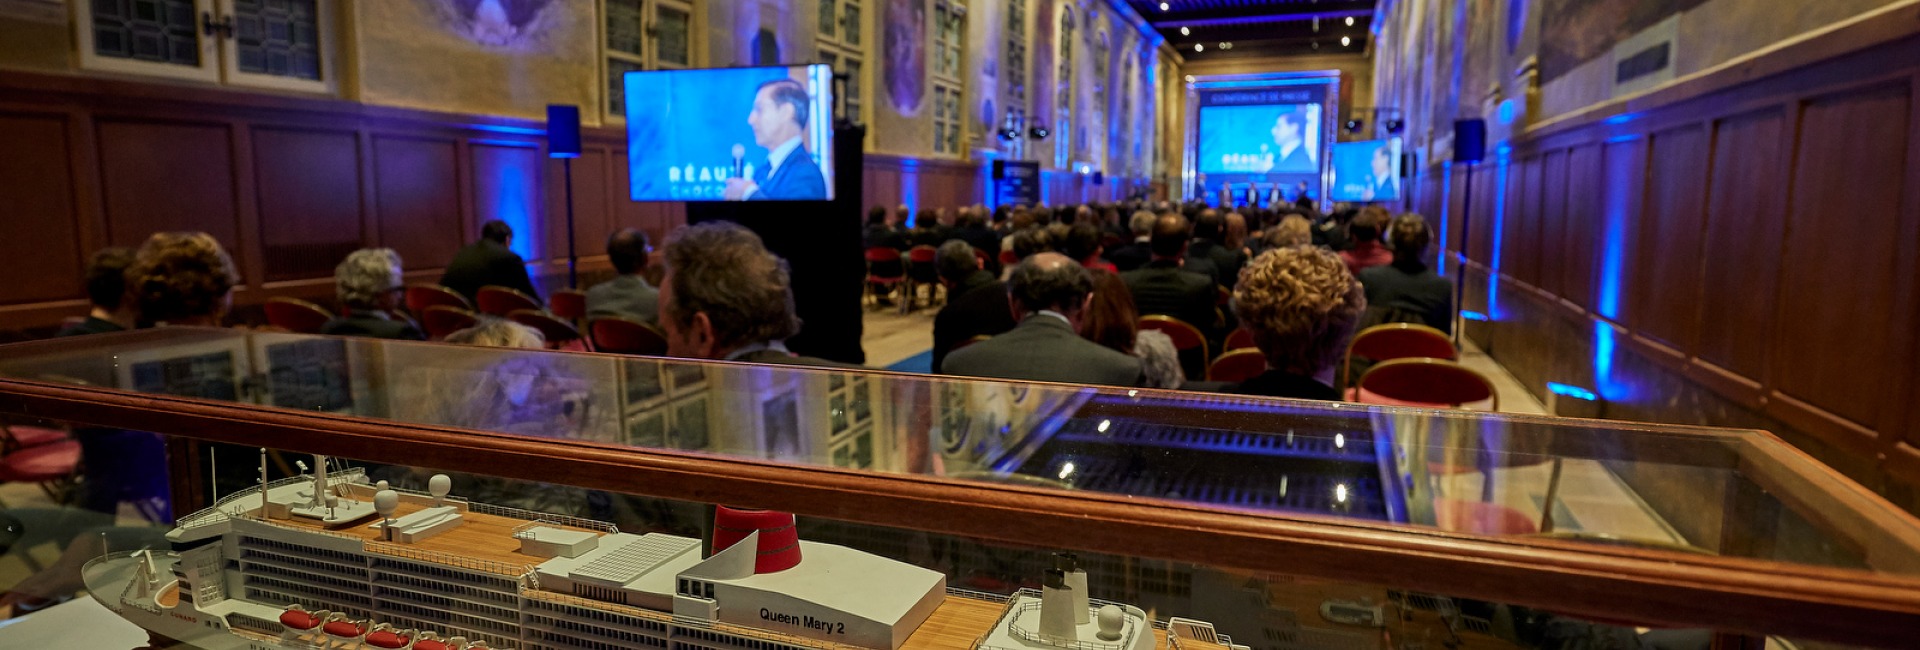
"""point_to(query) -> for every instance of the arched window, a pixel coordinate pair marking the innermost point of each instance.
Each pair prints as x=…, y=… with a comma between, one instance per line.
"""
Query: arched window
x=1063, y=93
x=949, y=75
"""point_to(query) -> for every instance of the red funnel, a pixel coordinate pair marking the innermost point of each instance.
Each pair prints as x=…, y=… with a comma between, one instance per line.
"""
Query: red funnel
x=779, y=540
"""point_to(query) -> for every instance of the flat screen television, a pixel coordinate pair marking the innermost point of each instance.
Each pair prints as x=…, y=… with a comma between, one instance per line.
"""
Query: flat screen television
x=1365, y=172
x=730, y=134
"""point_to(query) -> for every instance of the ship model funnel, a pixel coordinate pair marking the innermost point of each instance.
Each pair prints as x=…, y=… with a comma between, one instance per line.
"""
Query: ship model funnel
x=779, y=540
x=1069, y=564
x=1056, y=607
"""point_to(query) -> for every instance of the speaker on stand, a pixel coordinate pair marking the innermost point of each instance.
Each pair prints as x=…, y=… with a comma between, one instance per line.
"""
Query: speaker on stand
x=563, y=142
x=1470, y=147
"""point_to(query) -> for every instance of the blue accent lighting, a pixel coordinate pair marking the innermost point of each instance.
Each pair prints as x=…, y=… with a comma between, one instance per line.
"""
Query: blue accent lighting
x=1499, y=230
x=1474, y=315
x=1446, y=207
x=1506, y=112
x=1575, y=392
x=516, y=205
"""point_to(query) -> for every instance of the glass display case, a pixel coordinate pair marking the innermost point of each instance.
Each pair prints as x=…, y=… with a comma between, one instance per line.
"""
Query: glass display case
x=235, y=486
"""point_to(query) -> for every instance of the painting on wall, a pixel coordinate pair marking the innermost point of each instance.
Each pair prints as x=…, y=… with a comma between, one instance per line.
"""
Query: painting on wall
x=1573, y=32
x=501, y=24
x=905, y=42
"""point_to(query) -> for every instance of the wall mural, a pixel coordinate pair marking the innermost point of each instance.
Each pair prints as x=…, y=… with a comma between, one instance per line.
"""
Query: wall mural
x=502, y=24
x=906, y=65
x=1577, y=31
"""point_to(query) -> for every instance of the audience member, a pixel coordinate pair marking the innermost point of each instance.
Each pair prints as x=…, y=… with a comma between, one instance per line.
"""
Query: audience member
x=1330, y=231
x=368, y=285
x=1048, y=294
x=113, y=311
x=1209, y=234
x=1083, y=245
x=725, y=296
x=1021, y=219
x=627, y=295
x=927, y=229
x=493, y=332
x=1139, y=250
x=973, y=229
x=488, y=262
x=1301, y=305
x=1235, y=238
x=1293, y=230
x=1407, y=290
x=976, y=301
x=1112, y=321
x=182, y=278
x=1029, y=242
x=1163, y=287
x=883, y=231
x=1364, y=233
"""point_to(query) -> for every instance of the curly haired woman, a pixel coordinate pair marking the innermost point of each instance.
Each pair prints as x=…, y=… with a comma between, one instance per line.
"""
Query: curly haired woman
x=1301, y=304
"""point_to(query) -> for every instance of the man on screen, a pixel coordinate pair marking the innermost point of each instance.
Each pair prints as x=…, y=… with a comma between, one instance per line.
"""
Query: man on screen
x=1289, y=134
x=1383, y=184
x=779, y=121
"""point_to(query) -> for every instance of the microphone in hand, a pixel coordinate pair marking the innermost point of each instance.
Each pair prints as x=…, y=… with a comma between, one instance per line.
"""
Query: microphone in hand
x=739, y=160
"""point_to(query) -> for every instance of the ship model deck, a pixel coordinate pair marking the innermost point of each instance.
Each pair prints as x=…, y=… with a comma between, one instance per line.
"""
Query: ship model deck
x=328, y=560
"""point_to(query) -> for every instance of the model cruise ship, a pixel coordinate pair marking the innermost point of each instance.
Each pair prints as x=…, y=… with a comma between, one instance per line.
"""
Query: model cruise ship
x=329, y=560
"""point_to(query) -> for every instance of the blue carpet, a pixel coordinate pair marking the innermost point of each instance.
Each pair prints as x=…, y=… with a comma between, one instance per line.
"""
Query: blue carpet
x=921, y=363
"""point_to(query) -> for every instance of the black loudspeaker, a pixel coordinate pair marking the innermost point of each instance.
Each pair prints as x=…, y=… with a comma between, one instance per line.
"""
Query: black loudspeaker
x=999, y=169
x=563, y=131
x=1469, y=140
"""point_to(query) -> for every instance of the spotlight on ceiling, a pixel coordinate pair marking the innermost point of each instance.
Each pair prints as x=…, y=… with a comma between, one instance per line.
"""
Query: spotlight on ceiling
x=1354, y=125
x=1163, y=6
x=1186, y=32
x=1039, y=132
x=1189, y=78
x=1226, y=46
x=1197, y=47
x=1349, y=21
x=1344, y=41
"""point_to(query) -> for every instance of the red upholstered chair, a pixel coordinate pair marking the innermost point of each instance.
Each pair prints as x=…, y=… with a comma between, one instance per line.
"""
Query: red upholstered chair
x=1437, y=383
x=986, y=261
x=1481, y=518
x=884, y=270
x=422, y=296
x=1237, y=366
x=626, y=336
x=1396, y=341
x=385, y=635
x=920, y=271
x=501, y=301
x=1187, y=340
x=19, y=436
x=341, y=627
x=1221, y=296
x=441, y=320
x=1240, y=339
x=51, y=464
x=296, y=315
x=559, y=334
x=568, y=304
x=1008, y=258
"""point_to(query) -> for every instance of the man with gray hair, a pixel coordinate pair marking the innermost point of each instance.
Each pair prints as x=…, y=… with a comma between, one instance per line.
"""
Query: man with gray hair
x=1047, y=294
x=368, y=285
x=976, y=301
x=726, y=297
x=1138, y=252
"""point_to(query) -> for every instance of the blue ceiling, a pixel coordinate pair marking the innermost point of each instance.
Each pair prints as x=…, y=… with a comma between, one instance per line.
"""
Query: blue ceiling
x=1260, y=27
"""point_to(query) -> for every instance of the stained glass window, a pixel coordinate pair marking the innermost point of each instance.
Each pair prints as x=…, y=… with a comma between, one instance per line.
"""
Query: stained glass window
x=163, y=31
x=277, y=37
x=674, y=29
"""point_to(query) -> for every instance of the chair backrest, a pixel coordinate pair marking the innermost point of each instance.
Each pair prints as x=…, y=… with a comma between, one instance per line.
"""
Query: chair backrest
x=626, y=336
x=986, y=261
x=921, y=254
x=556, y=331
x=501, y=301
x=884, y=263
x=1008, y=257
x=1237, y=366
x=441, y=320
x=422, y=296
x=1396, y=341
x=883, y=254
x=920, y=264
x=568, y=304
x=1426, y=382
x=1240, y=339
x=296, y=315
x=1187, y=339
x=1221, y=296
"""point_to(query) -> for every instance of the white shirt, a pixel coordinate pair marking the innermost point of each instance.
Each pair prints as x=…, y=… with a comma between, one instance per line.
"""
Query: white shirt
x=780, y=153
x=750, y=348
x=1055, y=314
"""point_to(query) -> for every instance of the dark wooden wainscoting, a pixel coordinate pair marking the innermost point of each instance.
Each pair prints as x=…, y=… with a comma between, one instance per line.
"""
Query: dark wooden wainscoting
x=1739, y=250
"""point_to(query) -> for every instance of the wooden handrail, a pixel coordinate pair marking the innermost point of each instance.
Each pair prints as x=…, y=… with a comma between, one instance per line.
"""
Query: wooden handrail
x=1655, y=587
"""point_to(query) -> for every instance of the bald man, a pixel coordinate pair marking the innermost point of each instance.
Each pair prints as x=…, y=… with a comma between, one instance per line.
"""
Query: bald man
x=1047, y=293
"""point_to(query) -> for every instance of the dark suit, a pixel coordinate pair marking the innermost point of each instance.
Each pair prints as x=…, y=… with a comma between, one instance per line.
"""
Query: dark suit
x=628, y=296
x=1044, y=348
x=1298, y=161
x=372, y=324
x=797, y=179
x=977, y=306
x=778, y=358
x=1274, y=383
x=884, y=236
x=933, y=235
x=487, y=262
x=982, y=238
x=1163, y=287
x=1128, y=257
x=1225, y=262
x=1411, y=293
x=90, y=326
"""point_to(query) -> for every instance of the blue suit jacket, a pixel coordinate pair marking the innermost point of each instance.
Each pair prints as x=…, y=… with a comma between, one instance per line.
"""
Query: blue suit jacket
x=797, y=179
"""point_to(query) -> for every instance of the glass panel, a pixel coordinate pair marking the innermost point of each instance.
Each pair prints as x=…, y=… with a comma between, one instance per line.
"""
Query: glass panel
x=617, y=85
x=625, y=27
x=673, y=29
x=278, y=37
x=851, y=22
x=828, y=17
x=162, y=31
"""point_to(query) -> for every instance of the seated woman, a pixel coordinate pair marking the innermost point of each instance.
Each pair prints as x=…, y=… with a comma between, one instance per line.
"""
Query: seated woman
x=1407, y=290
x=1301, y=305
x=368, y=285
x=182, y=278
x=1112, y=320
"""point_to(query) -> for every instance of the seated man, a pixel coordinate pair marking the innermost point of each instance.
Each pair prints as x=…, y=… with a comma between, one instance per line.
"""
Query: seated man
x=1137, y=253
x=489, y=261
x=976, y=301
x=1301, y=304
x=726, y=297
x=1163, y=287
x=107, y=290
x=1047, y=294
x=1209, y=249
x=368, y=285
x=627, y=295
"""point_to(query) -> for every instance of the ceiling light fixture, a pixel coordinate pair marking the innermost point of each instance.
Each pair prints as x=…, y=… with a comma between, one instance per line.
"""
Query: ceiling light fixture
x=1197, y=47
x=1163, y=6
x=1344, y=41
x=1349, y=21
x=1185, y=32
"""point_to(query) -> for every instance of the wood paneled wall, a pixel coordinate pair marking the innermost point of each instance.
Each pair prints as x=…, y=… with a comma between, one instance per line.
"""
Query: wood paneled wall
x=1750, y=237
x=291, y=185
